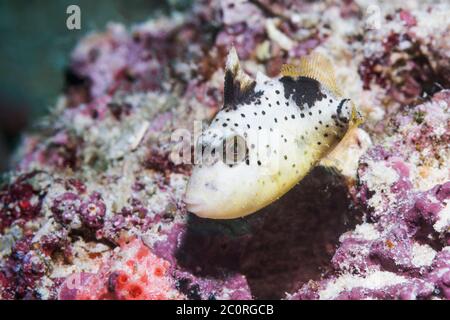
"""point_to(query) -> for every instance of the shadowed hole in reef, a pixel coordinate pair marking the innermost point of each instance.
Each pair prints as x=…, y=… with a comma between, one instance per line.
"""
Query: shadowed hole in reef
x=279, y=248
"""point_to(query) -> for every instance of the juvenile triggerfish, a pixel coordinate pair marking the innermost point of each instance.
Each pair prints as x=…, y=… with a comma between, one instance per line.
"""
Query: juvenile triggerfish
x=268, y=135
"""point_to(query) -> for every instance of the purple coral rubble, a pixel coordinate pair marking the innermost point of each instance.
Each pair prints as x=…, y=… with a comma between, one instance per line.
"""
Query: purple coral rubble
x=102, y=178
x=93, y=211
x=66, y=207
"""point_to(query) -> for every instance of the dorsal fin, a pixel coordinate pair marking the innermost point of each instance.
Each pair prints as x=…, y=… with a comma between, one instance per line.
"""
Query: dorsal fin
x=314, y=66
x=261, y=77
x=238, y=85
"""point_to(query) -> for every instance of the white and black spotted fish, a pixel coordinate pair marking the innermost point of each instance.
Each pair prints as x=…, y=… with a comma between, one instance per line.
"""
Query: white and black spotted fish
x=267, y=137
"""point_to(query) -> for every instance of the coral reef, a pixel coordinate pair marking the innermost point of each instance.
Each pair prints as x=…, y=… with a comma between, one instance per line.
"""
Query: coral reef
x=401, y=250
x=94, y=208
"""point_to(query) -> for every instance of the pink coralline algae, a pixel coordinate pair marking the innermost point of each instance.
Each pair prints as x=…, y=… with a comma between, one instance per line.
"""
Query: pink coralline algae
x=22, y=270
x=405, y=64
x=65, y=208
x=405, y=235
x=19, y=202
x=93, y=211
x=94, y=206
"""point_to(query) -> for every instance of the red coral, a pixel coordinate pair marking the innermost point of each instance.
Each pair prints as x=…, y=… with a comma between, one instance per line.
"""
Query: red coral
x=134, y=273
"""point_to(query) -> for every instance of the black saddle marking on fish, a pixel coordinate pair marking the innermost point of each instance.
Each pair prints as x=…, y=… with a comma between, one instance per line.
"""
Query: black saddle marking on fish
x=234, y=93
x=303, y=90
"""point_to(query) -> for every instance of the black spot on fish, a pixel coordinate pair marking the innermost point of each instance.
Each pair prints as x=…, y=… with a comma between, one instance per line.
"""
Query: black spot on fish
x=302, y=90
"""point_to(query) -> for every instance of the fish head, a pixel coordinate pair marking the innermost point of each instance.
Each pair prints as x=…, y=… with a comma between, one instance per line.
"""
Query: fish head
x=238, y=158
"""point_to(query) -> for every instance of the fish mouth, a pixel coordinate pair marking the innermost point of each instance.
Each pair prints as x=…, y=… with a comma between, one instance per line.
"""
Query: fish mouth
x=195, y=206
x=201, y=209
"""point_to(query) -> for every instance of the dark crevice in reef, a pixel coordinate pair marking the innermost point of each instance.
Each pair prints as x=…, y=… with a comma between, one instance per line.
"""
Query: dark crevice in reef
x=76, y=87
x=283, y=246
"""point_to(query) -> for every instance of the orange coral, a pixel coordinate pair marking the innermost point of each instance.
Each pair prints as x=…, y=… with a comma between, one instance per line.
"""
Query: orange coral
x=133, y=273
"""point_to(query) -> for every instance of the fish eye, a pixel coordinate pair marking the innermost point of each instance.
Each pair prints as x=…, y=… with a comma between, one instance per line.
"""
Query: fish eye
x=234, y=150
